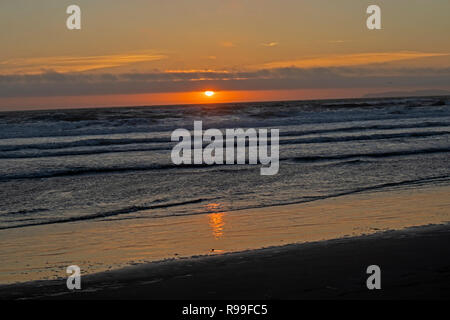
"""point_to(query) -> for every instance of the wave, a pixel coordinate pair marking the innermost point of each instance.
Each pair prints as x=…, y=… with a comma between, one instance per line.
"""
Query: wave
x=317, y=140
x=369, y=127
x=122, y=211
x=368, y=155
x=421, y=181
x=78, y=153
x=305, y=159
x=128, y=141
x=380, y=136
x=82, y=143
x=97, y=170
x=133, y=209
x=23, y=212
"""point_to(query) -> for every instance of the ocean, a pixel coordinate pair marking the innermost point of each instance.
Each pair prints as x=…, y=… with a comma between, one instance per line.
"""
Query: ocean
x=109, y=164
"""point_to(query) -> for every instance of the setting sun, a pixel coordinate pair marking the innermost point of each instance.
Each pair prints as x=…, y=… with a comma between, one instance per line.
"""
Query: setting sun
x=209, y=93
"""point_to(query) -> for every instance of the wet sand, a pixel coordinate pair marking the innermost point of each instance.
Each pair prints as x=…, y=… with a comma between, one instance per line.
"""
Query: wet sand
x=415, y=264
x=44, y=252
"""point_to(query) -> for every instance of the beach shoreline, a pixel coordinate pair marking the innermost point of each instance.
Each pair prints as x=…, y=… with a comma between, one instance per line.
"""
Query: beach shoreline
x=108, y=246
x=414, y=262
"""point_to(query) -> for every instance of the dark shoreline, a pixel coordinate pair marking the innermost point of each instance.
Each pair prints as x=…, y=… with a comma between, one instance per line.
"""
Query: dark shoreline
x=415, y=264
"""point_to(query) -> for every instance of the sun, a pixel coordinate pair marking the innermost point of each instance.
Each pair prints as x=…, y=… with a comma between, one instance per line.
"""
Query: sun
x=209, y=93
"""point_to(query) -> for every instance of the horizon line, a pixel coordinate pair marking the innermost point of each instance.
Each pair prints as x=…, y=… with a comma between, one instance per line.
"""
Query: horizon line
x=447, y=95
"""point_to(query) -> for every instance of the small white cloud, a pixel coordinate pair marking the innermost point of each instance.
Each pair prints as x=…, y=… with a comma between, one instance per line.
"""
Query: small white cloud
x=67, y=64
x=270, y=44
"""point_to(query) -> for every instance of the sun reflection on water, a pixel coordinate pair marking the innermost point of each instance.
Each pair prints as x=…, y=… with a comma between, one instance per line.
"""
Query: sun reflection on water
x=216, y=220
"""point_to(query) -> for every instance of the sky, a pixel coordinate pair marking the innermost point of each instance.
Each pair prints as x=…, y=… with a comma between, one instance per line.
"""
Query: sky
x=141, y=52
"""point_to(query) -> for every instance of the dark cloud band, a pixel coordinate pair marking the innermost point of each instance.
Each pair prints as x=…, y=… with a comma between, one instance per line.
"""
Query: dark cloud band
x=78, y=84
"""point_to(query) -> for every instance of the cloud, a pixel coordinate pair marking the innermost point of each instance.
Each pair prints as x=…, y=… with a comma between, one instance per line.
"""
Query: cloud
x=76, y=84
x=67, y=64
x=270, y=44
x=349, y=60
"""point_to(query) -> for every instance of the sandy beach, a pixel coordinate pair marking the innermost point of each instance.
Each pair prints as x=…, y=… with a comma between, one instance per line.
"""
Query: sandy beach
x=415, y=264
x=44, y=252
x=269, y=253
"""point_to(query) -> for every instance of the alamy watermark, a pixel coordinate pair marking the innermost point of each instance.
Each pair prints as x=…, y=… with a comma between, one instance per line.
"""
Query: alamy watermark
x=227, y=148
x=374, y=281
x=74, y=280
x=73, y=22
x=374, y=20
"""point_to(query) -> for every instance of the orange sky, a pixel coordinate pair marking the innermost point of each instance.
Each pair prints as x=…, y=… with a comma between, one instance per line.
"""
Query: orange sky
x=32, y=103
x=168, y=52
